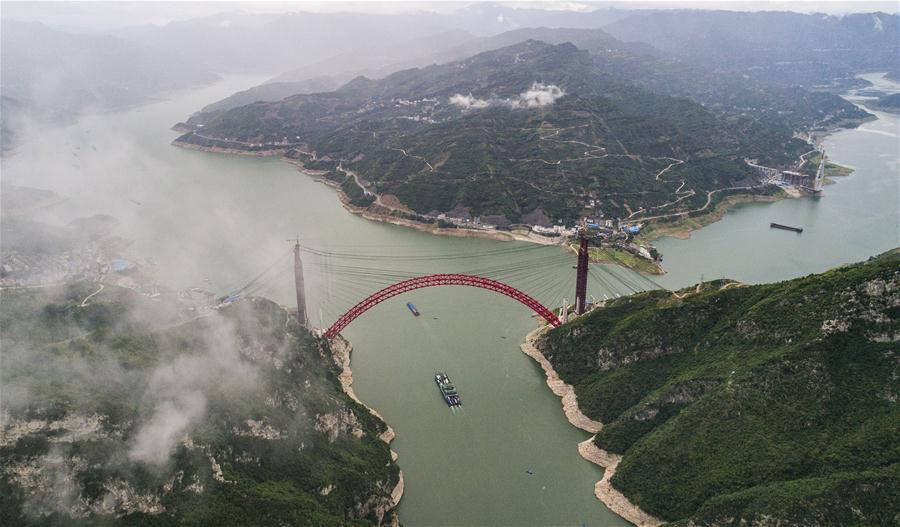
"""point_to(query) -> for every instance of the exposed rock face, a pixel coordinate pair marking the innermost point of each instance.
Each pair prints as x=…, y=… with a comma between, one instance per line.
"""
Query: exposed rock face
x=341, y=350
x=337, y=423
x=612, y=498
x=144, y=421
x=768, y=404
x=259, y=429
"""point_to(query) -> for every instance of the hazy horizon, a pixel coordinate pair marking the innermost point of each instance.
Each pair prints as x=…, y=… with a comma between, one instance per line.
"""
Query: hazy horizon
x=107, y=16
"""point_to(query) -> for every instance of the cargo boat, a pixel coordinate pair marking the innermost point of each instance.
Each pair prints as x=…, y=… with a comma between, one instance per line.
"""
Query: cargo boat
x=448, y=391
x=785, y=227
x=412, y=308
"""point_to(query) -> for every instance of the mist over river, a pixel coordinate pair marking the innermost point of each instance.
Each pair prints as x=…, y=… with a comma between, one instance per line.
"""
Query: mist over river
x=214, y=221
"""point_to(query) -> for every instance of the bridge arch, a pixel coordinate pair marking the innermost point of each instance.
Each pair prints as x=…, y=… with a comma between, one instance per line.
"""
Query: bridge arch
x=437, y=280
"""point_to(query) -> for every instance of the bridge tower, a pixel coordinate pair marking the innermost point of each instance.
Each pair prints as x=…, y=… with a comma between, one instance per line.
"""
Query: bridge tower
x=581, y=274
x=298, y=284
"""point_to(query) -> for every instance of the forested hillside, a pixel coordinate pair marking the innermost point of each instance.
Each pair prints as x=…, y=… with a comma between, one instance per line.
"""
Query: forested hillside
x=784, y=49
x=532, y=128
x=119, y=409
x=765, y=404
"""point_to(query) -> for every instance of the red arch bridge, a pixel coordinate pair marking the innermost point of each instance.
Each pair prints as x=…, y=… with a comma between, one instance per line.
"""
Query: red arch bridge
x=438, y=280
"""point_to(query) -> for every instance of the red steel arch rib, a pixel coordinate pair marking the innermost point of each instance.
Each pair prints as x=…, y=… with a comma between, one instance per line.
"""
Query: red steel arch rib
x=436, y=280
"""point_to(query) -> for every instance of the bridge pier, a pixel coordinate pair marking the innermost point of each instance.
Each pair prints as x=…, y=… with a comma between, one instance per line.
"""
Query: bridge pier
x=581, y=275
x=301, y=289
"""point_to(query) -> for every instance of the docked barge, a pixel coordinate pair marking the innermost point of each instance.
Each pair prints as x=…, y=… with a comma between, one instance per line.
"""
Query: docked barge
x=785, y=227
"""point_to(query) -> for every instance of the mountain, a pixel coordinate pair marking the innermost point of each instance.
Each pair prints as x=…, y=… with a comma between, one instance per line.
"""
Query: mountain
x=770, y=404
x=639, y=63
x=886, y=103
x=529, y=128
x=122, y=409
x=780, y=48
x=379, y=60
x=334, y=71
x=271, y=44
x=275, y=91
x=278, y=43
x=52, y=74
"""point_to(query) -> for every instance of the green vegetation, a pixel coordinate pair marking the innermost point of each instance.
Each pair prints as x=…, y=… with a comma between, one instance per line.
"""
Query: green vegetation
x=355, y=193
x=742, y=403
x=778, y=48
x=681, y=226
x=625, y=117
x=623, y=258
x=888, y=103
x=138, y=416
x=831, y=169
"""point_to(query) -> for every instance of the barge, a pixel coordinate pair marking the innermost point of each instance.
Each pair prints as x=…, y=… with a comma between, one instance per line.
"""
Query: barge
x=785, y=227
x=448, y=391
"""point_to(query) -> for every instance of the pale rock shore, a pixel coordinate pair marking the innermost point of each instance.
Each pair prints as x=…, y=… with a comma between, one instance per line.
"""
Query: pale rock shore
x=605, y=492
x=371, y=215
x=341, y=350
x=559, y=387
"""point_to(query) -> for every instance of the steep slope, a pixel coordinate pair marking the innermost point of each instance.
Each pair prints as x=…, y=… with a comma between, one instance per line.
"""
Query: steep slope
x=512, y=131
x=125, y=410
x=50, y=74
x=776, y=47
x=751, y=405
x=887, y=103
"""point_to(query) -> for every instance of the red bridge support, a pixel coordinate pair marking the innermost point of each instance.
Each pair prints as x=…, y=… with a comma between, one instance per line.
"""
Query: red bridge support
x=581, y=275
x=436, y=280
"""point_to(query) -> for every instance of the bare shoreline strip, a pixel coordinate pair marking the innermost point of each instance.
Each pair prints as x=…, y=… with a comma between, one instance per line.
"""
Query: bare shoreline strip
x=559, y=387
x=341, y=350
x=675, y=231
x=605, y=492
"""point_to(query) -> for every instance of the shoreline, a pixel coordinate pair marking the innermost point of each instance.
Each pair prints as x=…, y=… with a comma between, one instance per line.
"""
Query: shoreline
x=614, y=500
x=371, y=215
x=680, y=229
x=430, y=228
x=683, y=228
x=341, y=350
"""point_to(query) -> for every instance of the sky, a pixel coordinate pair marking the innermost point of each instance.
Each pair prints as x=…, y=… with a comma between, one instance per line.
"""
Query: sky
x=100, y=16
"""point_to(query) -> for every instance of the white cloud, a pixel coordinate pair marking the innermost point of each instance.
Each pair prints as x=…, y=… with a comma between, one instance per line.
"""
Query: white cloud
x=538, y=95
x=157, y=438
x=468, y=102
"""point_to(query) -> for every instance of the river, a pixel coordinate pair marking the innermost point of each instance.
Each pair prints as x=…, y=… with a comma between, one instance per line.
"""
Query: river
x=856, y=217
x=509, y=456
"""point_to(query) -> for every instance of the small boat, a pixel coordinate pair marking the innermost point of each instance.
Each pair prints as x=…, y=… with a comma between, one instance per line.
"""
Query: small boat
x=448, y=391
x=785, y=227
x=412, y=308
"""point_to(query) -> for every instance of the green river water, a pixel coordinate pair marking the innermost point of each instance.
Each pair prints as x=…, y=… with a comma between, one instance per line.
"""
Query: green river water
x=214, y=221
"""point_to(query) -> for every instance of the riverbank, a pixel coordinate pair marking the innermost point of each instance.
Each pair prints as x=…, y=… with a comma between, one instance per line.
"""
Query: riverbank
x=683, y=227
x=652, y=231
x=603, y=489
x=625, y=259
x=341, y=350
x=387, y=217
x=229, y=151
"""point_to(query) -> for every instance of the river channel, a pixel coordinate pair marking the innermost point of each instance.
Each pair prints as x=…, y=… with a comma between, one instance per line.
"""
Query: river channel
x=508, y=457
